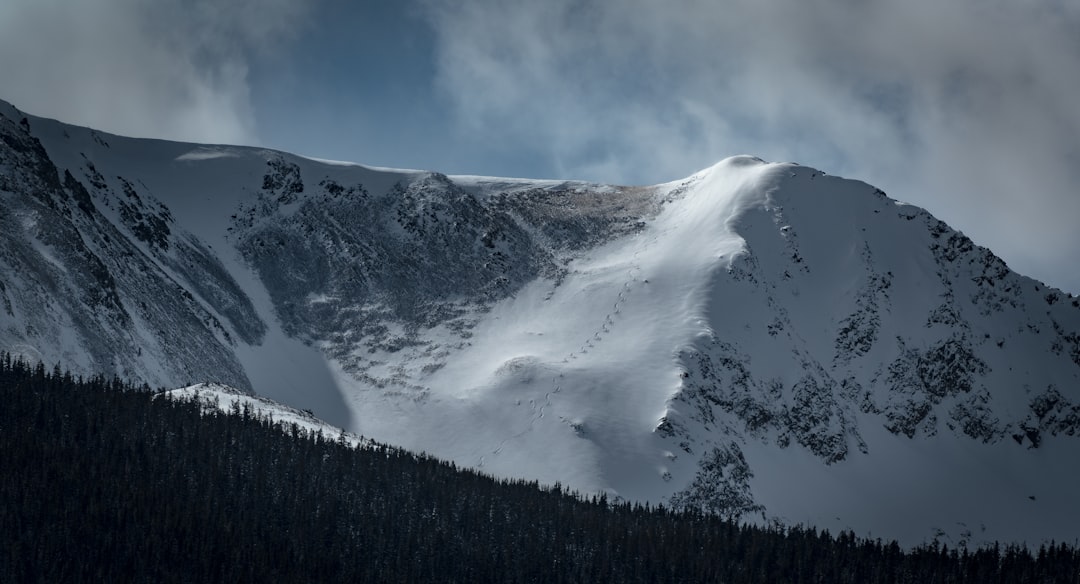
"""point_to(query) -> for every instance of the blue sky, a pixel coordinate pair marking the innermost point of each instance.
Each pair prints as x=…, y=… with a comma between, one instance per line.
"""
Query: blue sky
x=357, y=83
x=965, y=108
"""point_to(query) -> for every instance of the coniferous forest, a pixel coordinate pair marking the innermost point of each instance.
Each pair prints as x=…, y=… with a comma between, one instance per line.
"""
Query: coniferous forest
x=100, y=482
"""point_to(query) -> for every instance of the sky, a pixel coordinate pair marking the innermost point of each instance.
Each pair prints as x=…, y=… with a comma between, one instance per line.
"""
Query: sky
x=966, y=108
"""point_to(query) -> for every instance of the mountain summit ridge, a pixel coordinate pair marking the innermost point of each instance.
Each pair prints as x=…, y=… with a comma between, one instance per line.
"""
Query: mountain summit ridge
x=709, y=342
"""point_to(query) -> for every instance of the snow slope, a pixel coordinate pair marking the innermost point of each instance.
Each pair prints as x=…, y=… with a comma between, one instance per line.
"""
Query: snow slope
x=758, y=339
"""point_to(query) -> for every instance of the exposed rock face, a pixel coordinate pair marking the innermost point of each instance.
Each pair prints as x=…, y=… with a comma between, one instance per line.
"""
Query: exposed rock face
x=721, y=486
x=98, y=279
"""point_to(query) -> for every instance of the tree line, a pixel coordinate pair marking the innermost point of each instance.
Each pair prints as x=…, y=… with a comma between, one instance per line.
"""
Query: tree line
x=100, y=481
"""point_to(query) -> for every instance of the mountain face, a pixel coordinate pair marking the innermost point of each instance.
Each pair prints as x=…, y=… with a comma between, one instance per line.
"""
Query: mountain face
x=760, y=340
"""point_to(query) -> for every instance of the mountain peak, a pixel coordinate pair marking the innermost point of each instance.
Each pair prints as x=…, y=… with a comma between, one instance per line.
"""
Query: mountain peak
x=758, y=339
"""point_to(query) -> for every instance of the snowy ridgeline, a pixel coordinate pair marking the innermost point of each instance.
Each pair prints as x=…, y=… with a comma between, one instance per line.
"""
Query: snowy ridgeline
x=214, y=397
x=758, y=339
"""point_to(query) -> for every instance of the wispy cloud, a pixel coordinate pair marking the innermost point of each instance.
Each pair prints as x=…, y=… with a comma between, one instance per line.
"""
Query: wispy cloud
x=167, y=69
x=966, y=107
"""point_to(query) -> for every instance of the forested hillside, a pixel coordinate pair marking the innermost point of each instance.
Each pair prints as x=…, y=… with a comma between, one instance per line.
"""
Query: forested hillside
x=99, y=481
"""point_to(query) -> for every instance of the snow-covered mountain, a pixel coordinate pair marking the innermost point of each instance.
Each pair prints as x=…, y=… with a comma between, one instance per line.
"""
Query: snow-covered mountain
x=759, y=339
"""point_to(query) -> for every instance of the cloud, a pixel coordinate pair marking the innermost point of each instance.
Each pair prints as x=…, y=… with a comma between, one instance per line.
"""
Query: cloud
x=966, y=108
x=166, y=69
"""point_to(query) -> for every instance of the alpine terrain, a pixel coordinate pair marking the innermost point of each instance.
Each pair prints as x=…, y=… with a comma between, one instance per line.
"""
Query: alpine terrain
x=760, y=340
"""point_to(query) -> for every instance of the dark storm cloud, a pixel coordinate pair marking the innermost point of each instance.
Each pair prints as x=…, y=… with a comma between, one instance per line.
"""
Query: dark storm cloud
x=966, y=108
x=165, y=68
